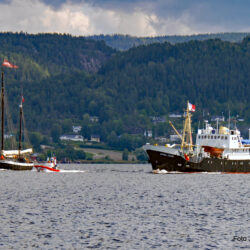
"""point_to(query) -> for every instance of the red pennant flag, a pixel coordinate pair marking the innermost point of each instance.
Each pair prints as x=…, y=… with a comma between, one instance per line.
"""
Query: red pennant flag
x=22, y=99
x=7, y=64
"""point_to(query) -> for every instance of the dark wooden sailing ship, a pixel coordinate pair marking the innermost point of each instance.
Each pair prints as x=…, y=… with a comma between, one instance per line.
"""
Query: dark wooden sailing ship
x=13, y=159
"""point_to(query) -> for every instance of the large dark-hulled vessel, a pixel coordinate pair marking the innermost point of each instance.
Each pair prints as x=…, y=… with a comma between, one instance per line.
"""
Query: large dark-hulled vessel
x=216, y=150
x=13, y=159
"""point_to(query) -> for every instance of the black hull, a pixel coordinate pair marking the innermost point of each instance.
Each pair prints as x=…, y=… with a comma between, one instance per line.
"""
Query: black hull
x=11, y=165
x=176, y=163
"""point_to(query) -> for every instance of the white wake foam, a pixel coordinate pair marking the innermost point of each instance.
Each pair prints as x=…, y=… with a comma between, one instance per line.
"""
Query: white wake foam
x=71, y=171
x=163, y=171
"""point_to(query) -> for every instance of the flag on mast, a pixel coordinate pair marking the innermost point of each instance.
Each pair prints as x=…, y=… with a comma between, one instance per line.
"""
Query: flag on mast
x=191, y=107
x=7, y=64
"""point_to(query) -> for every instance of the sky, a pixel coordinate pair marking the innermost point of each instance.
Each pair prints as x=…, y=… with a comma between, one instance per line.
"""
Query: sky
x=132, y=17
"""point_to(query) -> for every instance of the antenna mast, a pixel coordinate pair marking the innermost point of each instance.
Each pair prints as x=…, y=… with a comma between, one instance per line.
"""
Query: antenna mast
x=187, y=132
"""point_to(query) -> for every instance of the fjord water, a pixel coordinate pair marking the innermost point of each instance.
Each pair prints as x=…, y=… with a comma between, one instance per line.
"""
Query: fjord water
x=126, y=206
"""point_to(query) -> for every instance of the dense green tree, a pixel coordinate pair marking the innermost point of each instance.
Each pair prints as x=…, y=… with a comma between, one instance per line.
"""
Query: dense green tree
x=67, y=126
x=141, y=155
x=55, y=133
x=112, y=139
x=125, y=154
x=36, y=139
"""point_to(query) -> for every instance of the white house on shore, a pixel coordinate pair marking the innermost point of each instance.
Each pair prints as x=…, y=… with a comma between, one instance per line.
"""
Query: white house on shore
x=174, y=115
x=71, y=138
x=174, y=138
x=148, y=133
x=76, y=129
x=95, y=138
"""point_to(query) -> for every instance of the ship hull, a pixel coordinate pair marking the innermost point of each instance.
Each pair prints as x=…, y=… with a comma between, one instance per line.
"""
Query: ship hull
x=14, y=165
x=176, y=163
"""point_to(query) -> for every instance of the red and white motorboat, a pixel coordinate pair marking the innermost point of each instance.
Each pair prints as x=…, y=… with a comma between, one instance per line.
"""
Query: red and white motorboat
x=49, y=166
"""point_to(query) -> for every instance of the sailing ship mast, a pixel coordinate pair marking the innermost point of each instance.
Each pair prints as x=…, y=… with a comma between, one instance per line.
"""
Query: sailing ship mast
x=20, y=127
x=6, y=64
x=2, y=121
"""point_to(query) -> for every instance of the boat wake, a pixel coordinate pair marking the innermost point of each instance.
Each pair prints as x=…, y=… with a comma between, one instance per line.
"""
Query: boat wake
x=163, y=171
x=71, y=171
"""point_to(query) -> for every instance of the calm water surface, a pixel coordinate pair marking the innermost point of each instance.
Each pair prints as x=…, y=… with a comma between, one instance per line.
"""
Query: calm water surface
x=123, y=206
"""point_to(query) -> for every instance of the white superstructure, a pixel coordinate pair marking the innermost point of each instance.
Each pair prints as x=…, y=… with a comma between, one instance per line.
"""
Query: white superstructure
x=229, y=142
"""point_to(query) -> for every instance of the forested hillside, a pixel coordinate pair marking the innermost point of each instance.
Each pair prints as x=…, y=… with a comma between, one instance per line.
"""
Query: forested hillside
x=130, y=87
x=125, y=42
x=46, y=55
x=161, y=77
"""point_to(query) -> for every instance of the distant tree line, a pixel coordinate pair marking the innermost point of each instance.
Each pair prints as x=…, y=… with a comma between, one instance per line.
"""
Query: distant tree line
x=125, y=42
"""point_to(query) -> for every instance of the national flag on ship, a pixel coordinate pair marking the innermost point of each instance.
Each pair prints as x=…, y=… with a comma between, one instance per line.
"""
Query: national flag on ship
x=7, y=64
x=22, y=101
x=191, y=107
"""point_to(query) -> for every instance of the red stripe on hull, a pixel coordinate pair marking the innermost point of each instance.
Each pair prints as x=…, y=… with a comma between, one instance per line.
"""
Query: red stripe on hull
x=48, y=168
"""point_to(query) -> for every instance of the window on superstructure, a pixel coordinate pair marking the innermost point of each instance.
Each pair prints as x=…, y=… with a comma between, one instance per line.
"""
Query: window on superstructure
x=208, y=136
x=218, y=137
x=225, y=137
x=222, y=137
x=212, y=137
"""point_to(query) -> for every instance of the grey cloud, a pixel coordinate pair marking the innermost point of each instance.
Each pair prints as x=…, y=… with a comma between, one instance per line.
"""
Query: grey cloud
x=222, y=12
x=137, y=17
